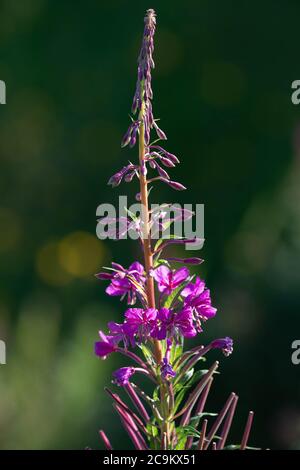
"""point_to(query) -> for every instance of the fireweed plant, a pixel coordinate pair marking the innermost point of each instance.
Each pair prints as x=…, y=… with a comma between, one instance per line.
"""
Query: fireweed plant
x=166, y=306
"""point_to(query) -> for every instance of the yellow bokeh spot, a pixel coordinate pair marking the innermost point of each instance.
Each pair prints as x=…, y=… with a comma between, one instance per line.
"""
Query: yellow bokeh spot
x=80, y=254
x=48, y=265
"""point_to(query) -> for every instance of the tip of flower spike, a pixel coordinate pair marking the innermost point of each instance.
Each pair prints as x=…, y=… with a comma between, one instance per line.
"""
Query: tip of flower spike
x=150, y=14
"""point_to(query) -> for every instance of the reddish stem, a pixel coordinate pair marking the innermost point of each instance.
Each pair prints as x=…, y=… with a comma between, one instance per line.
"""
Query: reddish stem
x=247, y=431
x=202, y=435
x=227, y=424
x=105, y=439
x=148, y=255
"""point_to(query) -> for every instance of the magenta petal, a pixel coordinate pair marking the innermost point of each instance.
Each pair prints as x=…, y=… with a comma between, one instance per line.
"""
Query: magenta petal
x=103, y=349
x=123, y=375
x=194, y=289
x=134, y=314
x=161, y=333
x=161, y=274
x=150, y=314
x=188, y=290
x=114, y=289
x=136, y=266
x=181, y=275
x=206, y=311
x=163, y=314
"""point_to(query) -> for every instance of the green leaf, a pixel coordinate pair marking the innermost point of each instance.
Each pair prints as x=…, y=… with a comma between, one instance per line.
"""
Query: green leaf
x=196, y=419
x=156, y=394
x=159, y=262
x=131, y=214
x=163, y=240
x=158, y=244
x=176, y=293
x=238, y=446
x=189, y=431
x=153, y=436
x=179, y=398
x=183, y=384
x=147, y=352
x=176, y=351
x=187, y=381
x=183, y=432
x=198, y=375
x=181, y=443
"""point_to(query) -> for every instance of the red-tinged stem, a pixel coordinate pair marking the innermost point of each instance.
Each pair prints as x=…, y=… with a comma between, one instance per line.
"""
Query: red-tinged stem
x=202, y=435
x=119, y=402
x=148, y=255
x=186, y=411
x=195, y=358
x=203, y=398
x=227, y=424
x=137, y=402
x=134, y=434
x=199, y=409
x=105, y=439
x=135, y=358
x=247, y=431
x=219, y=420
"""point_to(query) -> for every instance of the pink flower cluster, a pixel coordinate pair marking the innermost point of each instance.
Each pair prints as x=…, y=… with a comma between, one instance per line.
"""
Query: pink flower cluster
x=183, y=318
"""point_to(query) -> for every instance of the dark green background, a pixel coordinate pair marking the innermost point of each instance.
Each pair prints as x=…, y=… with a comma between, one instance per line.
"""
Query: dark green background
x=222, y=88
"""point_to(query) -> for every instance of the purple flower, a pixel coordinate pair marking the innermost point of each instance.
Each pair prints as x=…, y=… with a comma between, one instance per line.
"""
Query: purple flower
x=130, y=136
x=106, y=346
x=122, y=375
x=186, y=260
x=171, y=324
x=168, y=155
x=166, y=370
x=125, y=281
x=118, y=333
x=143, y=93
x=160, y=134
x=198, y=298
x=113, y=228
x=164, y=160
x=160, y=170
x=116, y=179
x=169, y=280
x=226, y=344
x=173, y=184
x=139, y=322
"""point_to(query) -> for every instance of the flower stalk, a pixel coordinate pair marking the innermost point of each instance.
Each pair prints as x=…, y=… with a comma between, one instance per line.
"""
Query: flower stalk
x=166, y=306
x=146, y=238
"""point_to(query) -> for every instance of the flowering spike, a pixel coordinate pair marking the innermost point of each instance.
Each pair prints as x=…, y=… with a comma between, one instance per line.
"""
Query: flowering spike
x=165, y=306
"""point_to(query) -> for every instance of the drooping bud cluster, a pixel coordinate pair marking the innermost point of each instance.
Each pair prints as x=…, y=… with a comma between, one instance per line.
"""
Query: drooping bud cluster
x=142, y=104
